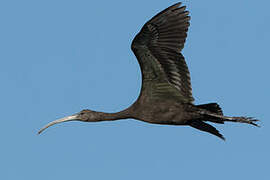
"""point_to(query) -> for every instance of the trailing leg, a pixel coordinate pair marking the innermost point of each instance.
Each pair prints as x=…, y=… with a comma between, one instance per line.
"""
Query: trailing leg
x=242, y=119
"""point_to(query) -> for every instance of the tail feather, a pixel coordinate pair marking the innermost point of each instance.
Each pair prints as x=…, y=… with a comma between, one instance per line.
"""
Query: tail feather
x=212, y=112
x=200, y=125
x=212, y=107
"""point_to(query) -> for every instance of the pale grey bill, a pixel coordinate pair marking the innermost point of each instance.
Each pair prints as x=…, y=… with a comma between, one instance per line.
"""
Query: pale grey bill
x=65, y=119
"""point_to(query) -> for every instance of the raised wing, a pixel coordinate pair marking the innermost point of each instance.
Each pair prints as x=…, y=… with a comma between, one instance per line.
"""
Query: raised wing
x=157, y=47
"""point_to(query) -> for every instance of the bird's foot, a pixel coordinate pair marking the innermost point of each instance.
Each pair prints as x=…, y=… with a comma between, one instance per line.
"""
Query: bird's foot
x=247, y=120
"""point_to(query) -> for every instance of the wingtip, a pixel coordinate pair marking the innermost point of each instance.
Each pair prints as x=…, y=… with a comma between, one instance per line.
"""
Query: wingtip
x=222, y=137
x=218, y=134
x=176, y=5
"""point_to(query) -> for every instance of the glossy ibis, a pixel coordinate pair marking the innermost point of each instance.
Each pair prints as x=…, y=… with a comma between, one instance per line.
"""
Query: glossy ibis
x=166, y=96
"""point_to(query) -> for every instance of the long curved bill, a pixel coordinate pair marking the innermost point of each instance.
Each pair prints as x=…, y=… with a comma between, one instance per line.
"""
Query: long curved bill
x=65, y=119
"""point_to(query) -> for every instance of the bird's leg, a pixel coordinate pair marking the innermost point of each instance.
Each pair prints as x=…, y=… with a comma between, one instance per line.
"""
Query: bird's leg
x=247, y=120
x=241, y=119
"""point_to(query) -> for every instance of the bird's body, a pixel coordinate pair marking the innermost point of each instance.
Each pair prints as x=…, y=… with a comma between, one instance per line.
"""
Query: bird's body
x=167, y=112
x=166, y=93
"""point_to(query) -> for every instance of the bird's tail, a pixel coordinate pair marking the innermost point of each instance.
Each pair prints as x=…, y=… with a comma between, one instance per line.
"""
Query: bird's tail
x=212, y=108
x=200, y=123
x=213, y=113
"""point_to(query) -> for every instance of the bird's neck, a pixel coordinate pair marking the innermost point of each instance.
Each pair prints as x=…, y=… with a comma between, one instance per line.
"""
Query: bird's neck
x=125, y=114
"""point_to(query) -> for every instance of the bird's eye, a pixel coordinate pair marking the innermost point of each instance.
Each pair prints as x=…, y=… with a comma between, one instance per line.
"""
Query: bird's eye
x=82, y=113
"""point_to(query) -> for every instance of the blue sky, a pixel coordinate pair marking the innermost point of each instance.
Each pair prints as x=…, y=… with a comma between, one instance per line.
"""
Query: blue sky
x=59, y=57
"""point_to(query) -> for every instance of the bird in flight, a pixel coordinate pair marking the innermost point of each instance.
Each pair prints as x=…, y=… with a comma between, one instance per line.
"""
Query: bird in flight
x=166, y=94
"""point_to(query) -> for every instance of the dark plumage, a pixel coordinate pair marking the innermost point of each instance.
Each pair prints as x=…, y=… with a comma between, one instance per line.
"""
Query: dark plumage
x=166, y=94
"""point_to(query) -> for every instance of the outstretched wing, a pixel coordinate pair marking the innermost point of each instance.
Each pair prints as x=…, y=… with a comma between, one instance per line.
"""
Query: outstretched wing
x=157, y=47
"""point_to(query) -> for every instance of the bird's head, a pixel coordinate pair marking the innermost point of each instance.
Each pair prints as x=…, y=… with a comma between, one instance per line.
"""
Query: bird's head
x=88, y=115
x=84, y=115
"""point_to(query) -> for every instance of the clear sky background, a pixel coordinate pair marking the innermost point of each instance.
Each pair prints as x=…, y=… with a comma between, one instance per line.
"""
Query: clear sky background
x=58, y=57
